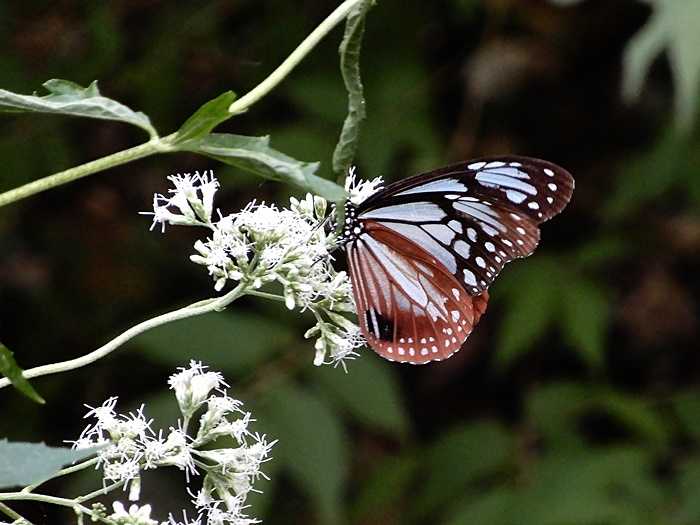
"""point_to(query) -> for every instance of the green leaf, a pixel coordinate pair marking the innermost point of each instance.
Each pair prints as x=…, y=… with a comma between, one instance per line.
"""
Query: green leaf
x=370, y=392
x=205, y=119
x=255, y=155
x=637, y=415
x=532, y=307
x=689, y=511
x=687, y=407
x=384, y=486
x=232, y=341
x=599, y=252
x=350, y=69
x=68, y=98
x=461, y=456
x=24, y=464
x=495, y=507
x=552, y=410
x=312, y=446
x=592, y=486
x=672, y=26
x=648, y=176
x=10, y=369
x=585, y=320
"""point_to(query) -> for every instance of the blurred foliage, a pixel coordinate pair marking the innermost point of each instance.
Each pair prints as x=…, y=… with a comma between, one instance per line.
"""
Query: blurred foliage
x=575, y=400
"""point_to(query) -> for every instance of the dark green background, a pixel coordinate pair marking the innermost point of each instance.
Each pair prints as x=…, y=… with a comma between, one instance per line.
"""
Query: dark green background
x=575, y=400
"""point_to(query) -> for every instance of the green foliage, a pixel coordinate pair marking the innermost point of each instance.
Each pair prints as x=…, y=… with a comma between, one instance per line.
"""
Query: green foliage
x=314, y=450
x=233, y=342
x=385, y=486
x=349, y=51
x=461, y=457
x=549, y=292
x=23, y=464
x=68, y=98
x=206, y=118
x=670, y=164
x=370, y=393
x=255, y=155
x=12, y=371
x=673, y=26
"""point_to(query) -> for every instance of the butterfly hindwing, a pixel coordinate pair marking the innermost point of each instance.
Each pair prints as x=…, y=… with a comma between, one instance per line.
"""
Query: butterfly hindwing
x=410, y=307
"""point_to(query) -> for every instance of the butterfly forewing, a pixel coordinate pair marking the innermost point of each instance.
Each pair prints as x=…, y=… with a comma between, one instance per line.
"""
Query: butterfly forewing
x=410, y=308
x=474, y=217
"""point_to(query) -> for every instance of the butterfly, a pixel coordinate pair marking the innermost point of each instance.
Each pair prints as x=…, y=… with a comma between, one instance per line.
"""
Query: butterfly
x=423, y=251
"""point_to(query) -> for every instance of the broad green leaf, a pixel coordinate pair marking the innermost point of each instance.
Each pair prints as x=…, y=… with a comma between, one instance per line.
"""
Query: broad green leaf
x=687, y=407
x=205, y=119
x=24, y=464
x=68, y=98
x=552, y=409
x=385, y=486
x=531, y=309
x=460, y=457
x=10, y=369
x=370, y=392
x=673, y=26
x=593, y=486
x=495, y=507
x=599, y=252
x=232, y=340
x=350, y=69
x=638, y=415
x=254, y=154
x=689, y=511
x=585, y=320
x=648, y=176
x=312, y=446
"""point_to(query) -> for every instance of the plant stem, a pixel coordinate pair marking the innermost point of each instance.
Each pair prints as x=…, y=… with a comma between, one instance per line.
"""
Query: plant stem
x=198, y=308
x=101, y=492
x=15, y=516
x=63, y=502
x=151, y=147
x=267, y=295
x=163, y=145
x=63, y=472
x=303, y=49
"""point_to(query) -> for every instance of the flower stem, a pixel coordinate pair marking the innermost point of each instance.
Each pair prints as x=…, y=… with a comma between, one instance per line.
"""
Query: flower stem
x=198, y=308
x=15, y=516
x=63, y=472
x=146, y=149
x=45, y=498
x=303, y=49
x=101, y=492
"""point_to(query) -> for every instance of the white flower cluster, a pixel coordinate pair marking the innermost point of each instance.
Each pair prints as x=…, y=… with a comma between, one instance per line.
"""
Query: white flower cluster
x=131, y=446
x=360, y=190
x=263, y=244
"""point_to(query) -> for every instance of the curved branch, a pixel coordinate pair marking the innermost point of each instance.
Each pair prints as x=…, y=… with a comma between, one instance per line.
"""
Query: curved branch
x=198, y=308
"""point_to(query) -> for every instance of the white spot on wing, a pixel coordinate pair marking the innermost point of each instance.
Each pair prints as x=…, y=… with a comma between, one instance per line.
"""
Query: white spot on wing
x=440, y=186
x=441, y=232
x=515, y=196
x=462, y=248
x=476, y=165
x=411, y=211
x=469, y=277
x=504, y=181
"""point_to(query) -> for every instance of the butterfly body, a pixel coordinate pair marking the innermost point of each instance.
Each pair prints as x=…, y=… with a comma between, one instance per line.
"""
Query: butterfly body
x=423, y=251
